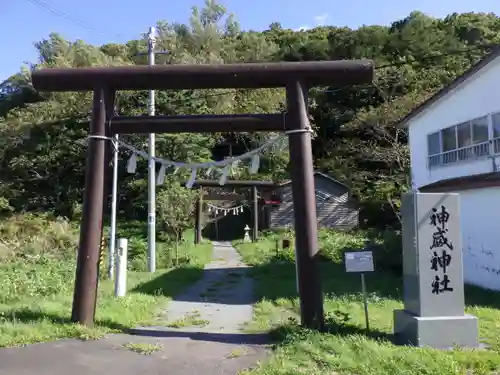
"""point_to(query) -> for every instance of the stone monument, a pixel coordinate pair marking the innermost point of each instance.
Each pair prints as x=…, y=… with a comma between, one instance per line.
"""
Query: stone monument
x=433, y=285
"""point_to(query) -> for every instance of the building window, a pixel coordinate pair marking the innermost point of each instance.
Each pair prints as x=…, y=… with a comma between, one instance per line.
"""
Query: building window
x=464, y=135
x=479, y=130
x=433, y=144
x=495, y=122
x=449, y=138
x=495, y=119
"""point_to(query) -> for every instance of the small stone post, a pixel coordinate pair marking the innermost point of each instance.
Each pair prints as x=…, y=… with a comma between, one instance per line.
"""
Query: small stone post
x=433, y=285
x=121, y=268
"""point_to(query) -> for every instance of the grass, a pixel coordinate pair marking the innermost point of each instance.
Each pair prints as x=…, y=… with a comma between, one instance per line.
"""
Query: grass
x=238, y=352
x=37, y=266
x=190, y=320
x=347, y=348
x=144, y=349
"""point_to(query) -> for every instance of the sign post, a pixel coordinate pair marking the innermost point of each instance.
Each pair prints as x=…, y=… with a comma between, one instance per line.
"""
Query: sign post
x=361, y=262
x=365, y=300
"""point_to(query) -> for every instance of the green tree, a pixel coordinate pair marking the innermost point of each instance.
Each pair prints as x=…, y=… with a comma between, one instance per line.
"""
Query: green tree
x=175, y=208
x=43, y=135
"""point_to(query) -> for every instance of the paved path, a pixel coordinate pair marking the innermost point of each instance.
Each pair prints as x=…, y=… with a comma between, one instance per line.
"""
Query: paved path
x=221, y=301
x=201, y=334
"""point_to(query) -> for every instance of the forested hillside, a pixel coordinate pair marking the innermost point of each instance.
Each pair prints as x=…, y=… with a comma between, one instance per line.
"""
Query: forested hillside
x=43, y=136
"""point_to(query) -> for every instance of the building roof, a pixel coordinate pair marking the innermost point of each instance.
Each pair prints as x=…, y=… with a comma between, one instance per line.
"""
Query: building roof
x=476, y=181
x=495, y=52
x=316, y=173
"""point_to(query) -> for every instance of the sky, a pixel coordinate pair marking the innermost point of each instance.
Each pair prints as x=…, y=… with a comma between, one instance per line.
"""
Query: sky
x=105, y=21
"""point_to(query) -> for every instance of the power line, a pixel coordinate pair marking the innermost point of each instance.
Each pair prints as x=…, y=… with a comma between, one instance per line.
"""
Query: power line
x=50, y=9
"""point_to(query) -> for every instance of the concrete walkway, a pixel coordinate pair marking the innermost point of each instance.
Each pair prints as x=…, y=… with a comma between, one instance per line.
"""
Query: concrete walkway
x=200, y=334
x=220, y=302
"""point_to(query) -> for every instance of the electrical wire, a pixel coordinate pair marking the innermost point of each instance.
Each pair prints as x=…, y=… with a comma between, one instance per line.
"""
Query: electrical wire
x=50, y=9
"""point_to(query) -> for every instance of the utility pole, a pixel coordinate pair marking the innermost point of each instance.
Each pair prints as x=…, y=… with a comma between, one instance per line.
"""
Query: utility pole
x=151, y=165
x=114, y=197
x=151, y=152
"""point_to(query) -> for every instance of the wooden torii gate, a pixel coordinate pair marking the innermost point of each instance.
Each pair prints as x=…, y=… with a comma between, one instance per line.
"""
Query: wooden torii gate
x=254, y=185
x=296, y=77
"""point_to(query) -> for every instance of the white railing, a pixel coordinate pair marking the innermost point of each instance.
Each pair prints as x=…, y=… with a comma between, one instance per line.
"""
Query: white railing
x=465, y=154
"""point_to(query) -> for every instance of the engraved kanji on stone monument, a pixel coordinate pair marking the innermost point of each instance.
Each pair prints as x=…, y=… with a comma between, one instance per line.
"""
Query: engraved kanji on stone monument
x=433, y=283
x=439, y=263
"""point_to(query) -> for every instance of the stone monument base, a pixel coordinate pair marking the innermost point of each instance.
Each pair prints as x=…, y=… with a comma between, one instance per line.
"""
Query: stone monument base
x=440, y=332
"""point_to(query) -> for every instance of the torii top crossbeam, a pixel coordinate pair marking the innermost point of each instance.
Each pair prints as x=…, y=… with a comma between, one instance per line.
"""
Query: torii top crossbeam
x=249, y=75
x=236, y=183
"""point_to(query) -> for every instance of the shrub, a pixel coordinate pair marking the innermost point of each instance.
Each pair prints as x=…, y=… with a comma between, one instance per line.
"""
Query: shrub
x=285, y=255
x=138, y=258
x=389, y=252
x=31, y=237
x=47, y=277
x=386, y=246
x=38, y=254
x=333, y=244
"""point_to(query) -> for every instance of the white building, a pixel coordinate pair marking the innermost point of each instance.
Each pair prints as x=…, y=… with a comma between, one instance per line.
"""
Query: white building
x=454, y=142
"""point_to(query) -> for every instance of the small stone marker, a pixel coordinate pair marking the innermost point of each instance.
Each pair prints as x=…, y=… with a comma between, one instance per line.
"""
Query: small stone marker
x=433, y=285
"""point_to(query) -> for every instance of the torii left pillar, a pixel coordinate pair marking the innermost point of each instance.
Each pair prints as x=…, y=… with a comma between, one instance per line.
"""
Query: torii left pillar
x=87, y=267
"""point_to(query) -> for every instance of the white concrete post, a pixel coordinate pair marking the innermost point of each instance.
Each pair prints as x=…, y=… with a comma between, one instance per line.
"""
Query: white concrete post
x=121, y=268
